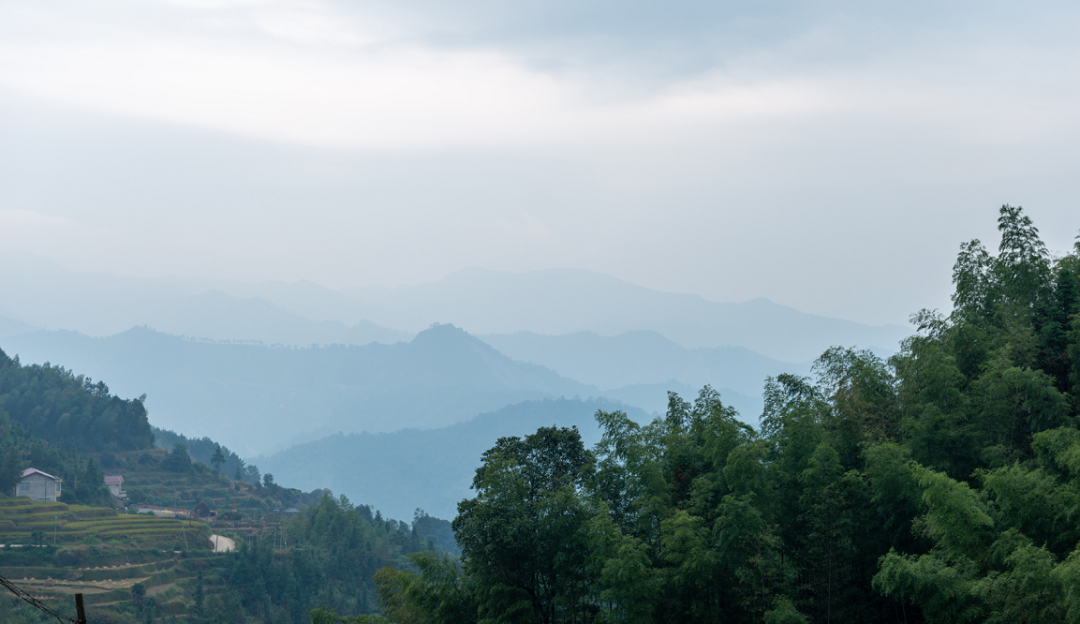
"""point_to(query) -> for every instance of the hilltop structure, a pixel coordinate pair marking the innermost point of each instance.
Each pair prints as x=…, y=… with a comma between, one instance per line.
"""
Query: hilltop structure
x=39, y=486
x=115, y=483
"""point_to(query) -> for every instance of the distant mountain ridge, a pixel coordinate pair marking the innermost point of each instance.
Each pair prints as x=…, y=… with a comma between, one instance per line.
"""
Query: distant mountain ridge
x=586, y=334
x=254, y=397
x=218, y=316
x=401, y=471
x=563, y=301
x=12, y=327
x=49, y=296
x=551, y=301
x=642, y=357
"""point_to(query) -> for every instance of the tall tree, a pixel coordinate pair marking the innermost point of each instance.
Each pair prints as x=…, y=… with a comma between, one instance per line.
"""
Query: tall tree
x=524, y=538
x=218, y=458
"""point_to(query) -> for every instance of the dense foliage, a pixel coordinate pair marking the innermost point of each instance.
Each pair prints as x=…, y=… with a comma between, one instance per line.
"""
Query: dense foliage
x=208, y=452
x=940, y=486
x=83, y=478
x=327, y=555
x=53, y=420
x=68, y=410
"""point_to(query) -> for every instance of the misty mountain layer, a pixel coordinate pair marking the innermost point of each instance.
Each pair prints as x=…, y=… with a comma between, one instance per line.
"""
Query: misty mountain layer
x=254, y=398
x=401, y=471
x=641, y=357
x=11, y=327
x=40, y=293
x=561, y=301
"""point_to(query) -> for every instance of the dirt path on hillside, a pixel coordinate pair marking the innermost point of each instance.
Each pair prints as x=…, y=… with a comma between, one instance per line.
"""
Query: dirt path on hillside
x=222, y=543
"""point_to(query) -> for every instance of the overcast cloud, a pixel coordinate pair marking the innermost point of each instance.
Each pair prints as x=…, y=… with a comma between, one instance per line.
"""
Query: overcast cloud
x=829, y=156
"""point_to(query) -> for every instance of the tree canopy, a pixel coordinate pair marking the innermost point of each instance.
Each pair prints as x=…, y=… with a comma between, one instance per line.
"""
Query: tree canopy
x=69, y=410
x=940, y=485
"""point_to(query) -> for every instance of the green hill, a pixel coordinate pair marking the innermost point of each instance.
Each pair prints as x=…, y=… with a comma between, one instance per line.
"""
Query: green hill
x=23, y=522
x=134, y=567
x=58, y=422
x=71, y=410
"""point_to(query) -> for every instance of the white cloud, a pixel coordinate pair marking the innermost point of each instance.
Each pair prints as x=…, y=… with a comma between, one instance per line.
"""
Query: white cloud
x=20, y=224
x=308, y=73
x=37, y=233
x=895, y=139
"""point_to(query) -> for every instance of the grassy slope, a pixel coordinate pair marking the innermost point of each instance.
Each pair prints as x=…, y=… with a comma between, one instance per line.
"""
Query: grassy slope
x=106, y=552
x=20, y=518
x=100, y=554
x=147, y=481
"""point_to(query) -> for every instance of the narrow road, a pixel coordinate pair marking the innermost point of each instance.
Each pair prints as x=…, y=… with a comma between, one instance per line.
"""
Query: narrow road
x=222, y=543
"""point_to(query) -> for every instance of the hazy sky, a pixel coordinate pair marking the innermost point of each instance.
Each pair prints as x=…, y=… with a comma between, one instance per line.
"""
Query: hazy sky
x=830, y=156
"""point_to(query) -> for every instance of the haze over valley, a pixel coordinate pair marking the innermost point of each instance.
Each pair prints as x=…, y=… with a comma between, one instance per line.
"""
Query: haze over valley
x=471, y=312
x=263, y=367
x=256, y=372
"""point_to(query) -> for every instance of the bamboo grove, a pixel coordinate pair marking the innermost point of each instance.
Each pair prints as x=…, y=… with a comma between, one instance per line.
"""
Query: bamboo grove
x=940, y=485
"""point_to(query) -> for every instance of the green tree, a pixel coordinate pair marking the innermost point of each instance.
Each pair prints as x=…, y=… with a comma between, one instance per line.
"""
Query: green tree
x=942, y=485
x=178, y=459
x=56, y=405
x=437, y=593
x=251, y=475
x=138, y=595
x=524, y=538
x=1022, y=267
x=10, y=470
x=198, y=597
x=218, y=459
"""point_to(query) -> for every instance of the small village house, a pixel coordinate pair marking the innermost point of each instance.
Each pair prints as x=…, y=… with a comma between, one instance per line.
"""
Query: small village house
x=115, y=485
x=38, y=485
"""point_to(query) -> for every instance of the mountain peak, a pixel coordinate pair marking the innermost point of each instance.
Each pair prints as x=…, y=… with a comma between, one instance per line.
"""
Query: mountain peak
x=447, y=335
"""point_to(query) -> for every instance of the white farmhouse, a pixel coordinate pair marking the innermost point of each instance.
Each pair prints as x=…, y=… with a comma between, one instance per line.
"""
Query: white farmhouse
x=115, y=485
x=39, y=486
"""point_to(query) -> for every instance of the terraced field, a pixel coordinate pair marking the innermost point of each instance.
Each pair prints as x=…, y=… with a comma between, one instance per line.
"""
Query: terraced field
x=168, y=581
x=146, y=482
x=20, y=519
x=102, y=555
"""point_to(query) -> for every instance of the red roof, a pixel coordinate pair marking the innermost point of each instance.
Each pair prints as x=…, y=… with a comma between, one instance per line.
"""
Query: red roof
x=116, y=479
x=30, y=471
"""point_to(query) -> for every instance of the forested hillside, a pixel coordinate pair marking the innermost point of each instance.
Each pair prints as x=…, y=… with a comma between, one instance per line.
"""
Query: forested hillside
x=138, y=568
x=143, y=569
x=208, y=452
x=54, y=420
x=942, y=485
x=66, y=409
